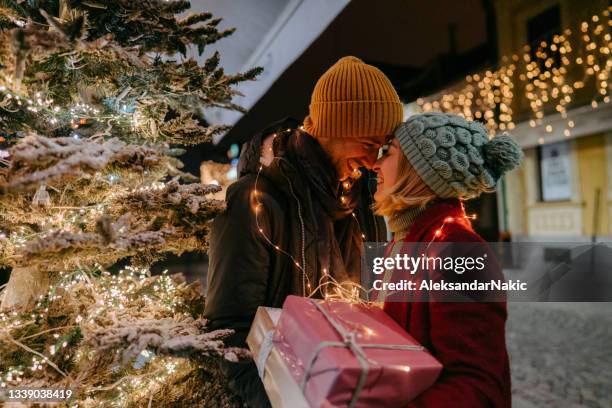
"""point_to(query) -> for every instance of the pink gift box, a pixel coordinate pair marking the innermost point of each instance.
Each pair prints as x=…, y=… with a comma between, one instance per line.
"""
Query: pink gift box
x=354, y=344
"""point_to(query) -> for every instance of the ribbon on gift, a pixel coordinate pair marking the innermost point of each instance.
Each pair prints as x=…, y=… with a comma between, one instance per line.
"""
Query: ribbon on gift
x=348, y=341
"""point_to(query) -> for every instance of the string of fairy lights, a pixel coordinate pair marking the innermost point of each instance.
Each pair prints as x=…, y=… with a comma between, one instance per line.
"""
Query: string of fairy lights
x=550, y=76
x=112, y=292
x=439, y=232
x=348, y=290
x=79, y=114
x=326, y=278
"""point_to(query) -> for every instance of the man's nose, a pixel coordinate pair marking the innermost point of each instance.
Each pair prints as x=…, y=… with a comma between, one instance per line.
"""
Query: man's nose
x=370, y=160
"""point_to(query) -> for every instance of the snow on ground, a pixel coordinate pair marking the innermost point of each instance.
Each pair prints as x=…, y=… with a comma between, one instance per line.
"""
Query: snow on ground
x=560, y=354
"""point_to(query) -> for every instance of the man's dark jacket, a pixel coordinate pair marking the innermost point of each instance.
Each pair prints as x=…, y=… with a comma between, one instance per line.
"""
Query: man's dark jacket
x=300, y=211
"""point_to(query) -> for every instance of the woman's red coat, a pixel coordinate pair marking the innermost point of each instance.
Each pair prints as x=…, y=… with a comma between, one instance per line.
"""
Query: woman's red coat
x=468, y=338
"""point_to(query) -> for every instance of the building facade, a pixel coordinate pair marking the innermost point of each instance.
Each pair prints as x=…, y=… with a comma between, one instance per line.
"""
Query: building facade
x=550, y=91
x=563, y=190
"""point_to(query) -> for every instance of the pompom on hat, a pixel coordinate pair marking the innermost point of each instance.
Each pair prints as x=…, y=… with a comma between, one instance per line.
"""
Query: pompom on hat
x=455, y=157
x=353, y=99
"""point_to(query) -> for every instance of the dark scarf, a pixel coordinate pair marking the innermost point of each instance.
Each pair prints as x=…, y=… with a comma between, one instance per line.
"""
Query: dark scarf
x=338, y=233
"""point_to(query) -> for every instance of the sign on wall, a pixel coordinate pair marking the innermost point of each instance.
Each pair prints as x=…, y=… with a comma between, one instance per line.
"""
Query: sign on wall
x=555, y=172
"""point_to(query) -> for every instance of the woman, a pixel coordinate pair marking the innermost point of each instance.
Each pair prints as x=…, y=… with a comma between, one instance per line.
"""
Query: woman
x=435, y=162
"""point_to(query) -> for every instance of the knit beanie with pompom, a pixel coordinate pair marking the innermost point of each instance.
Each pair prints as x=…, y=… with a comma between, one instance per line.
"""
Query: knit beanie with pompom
x=455, y=157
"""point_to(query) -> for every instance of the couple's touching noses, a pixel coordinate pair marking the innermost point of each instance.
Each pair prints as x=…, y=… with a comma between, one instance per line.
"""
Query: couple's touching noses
x=302, y=207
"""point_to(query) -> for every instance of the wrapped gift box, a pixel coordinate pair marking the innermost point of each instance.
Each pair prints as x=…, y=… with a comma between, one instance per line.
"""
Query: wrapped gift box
x=348, y=354
x=323, y=354
x=281, y=387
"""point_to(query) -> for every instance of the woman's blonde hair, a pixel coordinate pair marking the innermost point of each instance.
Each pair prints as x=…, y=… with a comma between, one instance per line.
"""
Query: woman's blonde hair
x=408, y=191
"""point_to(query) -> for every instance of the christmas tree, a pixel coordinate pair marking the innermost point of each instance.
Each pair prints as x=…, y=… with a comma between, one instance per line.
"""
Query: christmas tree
x=96, y=99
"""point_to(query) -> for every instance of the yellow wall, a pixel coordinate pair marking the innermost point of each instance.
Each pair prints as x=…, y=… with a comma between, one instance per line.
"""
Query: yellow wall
x=593, y=175
x=591, y=169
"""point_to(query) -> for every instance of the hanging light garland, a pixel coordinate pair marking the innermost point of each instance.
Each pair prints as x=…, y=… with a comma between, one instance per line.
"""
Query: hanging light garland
x=306, y=284
x=333, y=290
x=344, y=290
x=439, y=232
x=551, y=77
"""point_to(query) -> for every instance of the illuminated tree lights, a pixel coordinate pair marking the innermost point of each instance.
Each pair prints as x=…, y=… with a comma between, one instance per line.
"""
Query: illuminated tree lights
x=122, y=334
x=573, y=67
x=94, y=98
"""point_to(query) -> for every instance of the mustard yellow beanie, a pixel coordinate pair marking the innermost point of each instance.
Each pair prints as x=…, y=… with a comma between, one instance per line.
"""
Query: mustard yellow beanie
x=353, y=99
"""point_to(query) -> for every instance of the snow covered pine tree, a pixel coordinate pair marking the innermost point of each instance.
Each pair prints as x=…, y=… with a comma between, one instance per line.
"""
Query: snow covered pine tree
x=95, y=97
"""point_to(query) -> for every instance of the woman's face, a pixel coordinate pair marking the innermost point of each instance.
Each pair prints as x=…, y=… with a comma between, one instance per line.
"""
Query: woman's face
x=386, y=168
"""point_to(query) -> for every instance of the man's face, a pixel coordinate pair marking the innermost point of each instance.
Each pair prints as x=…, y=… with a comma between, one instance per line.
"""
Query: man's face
x=348, y=154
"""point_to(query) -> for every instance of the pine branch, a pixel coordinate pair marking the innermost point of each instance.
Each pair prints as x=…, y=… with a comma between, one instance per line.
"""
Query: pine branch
x=182, y=335
x=36, y=159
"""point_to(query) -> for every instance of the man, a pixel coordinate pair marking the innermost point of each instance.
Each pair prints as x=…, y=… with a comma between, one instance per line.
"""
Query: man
x=295, y=214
